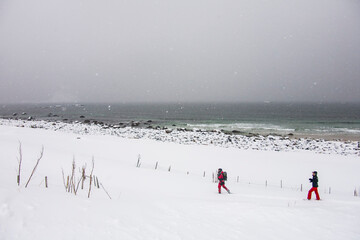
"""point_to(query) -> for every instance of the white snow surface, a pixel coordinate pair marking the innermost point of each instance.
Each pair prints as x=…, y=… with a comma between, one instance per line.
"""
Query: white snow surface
x=177, y=204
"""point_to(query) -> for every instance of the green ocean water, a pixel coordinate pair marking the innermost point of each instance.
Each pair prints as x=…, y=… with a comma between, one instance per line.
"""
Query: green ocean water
x=281, y=118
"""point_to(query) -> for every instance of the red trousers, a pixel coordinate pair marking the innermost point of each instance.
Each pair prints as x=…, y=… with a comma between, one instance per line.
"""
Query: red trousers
x=223, y=185
x=314, y=189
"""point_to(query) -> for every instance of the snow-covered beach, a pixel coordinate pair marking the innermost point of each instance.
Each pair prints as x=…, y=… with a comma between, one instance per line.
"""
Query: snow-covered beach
x=198, y=137
x=267, y=176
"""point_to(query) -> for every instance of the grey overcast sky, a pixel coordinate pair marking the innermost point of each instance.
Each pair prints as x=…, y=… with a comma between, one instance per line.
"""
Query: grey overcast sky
x=185, y=50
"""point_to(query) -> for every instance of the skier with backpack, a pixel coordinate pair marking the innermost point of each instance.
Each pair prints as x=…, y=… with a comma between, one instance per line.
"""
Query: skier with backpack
x=222, y=177
x=314, y=180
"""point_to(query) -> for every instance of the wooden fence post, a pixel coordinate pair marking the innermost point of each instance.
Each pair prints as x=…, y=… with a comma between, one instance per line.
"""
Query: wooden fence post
x=138, y=164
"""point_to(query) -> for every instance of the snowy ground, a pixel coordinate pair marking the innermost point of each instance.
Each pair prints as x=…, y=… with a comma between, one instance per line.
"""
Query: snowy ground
x=180, y=204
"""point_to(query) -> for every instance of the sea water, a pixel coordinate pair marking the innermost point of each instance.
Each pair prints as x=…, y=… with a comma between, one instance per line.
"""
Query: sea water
x=320, y=119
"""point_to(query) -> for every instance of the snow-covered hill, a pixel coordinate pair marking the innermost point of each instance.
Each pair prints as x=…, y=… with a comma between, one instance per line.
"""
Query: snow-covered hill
x=149, y=203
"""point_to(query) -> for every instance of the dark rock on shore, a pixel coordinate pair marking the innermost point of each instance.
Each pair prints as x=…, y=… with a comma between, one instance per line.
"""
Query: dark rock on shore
x=252, y=135
x=135, y=124
x=226, y=132
x=237, y=132
x=185, y=130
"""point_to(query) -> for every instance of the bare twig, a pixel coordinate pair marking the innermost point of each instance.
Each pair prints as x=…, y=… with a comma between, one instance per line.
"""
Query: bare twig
x=20, y=161
x=91, y=177
x=37, y=163
x=97, y=182
x=78, y=184
x=68, y=183
x=72, y=179
x=62, y=170
x=105, y=190
x=83, y=177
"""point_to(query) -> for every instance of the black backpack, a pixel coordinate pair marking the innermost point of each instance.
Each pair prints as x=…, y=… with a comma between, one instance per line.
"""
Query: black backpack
x=225, y=176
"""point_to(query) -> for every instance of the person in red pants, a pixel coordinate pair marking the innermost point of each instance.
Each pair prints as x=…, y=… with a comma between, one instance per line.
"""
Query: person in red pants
x=314, y=180
x=221, y=181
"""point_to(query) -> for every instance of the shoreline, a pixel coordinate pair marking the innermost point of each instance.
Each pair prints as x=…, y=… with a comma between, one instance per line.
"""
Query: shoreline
x=328, y=137
x=299, y=120
x=160, y=125
x=198, y=137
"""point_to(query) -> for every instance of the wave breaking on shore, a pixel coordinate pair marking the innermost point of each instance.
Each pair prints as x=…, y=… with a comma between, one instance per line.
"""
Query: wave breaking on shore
x=199, y=137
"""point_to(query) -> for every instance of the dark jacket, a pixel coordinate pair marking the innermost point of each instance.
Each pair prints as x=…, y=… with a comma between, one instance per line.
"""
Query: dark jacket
x=220, y=176
x=314, y=181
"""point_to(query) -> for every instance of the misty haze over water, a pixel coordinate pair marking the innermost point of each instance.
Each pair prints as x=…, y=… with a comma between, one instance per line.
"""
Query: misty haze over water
x=179, y=51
